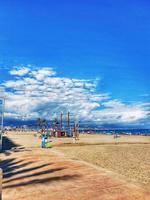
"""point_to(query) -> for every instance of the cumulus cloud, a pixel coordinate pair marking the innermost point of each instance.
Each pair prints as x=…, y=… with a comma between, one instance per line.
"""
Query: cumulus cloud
x=41, y=93
x=43, y=73
x=117, y=111
x=20, y=71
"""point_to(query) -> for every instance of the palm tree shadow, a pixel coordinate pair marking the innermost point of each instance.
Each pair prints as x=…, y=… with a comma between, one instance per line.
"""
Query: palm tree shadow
x=19, y=173
x=43, y=181
x=8, y=144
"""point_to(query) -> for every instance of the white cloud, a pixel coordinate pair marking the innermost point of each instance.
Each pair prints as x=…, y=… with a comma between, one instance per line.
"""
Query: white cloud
x=42, y=93
x=14, y=84
x=116, y=111
x=43, y=73
x=20, y=71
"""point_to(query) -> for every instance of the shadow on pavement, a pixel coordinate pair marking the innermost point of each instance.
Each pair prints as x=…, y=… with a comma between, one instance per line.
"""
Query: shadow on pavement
x=8, y=144
x=23, y=172
x=45, y=180
x=19, y=173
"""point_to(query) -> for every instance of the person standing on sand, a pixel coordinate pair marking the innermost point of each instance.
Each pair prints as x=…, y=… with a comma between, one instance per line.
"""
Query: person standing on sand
x=76, y=133
x=43, y=141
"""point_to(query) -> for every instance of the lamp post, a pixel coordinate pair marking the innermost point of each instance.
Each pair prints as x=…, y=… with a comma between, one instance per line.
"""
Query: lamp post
x=61, y=120
x=2, y=104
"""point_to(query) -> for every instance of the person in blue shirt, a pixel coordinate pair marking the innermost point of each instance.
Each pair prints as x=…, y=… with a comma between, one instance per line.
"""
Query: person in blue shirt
x=44, y=140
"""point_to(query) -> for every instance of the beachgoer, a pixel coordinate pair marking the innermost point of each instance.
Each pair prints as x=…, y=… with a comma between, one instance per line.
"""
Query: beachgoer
x=43, y=141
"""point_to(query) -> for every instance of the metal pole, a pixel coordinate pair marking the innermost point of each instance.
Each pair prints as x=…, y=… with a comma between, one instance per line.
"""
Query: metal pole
x=2, y=122
x=69, y=120
x=61, y=120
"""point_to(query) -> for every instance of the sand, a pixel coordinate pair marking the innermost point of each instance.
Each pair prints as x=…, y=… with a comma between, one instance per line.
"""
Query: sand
x=116, y=170
x=131, y=161
x=85, y=139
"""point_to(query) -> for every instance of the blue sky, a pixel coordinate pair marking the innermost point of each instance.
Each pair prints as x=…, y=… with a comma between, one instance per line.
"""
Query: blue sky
x=106, y=42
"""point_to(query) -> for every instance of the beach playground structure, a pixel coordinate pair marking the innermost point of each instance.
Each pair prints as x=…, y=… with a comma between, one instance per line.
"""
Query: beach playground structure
x=60, y=126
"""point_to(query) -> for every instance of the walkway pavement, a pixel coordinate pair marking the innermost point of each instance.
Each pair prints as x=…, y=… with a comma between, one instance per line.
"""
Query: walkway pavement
x=42, y=174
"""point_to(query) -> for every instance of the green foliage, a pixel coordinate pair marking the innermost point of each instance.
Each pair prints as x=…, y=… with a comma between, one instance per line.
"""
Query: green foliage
x=42, y=123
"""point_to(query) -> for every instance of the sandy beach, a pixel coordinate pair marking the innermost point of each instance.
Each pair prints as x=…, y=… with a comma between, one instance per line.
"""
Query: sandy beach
x=96, y=167
x=131, y=161
x=75, y=100
x=127, y=155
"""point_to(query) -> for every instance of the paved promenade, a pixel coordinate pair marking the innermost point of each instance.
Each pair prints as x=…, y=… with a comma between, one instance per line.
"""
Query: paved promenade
x=43, y=174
